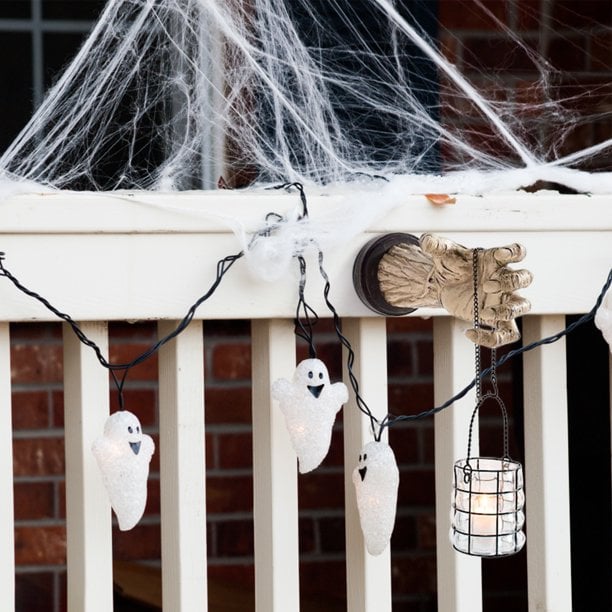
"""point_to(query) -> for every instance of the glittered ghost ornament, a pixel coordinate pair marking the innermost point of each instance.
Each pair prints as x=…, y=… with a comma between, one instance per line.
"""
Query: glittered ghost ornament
x=123, y=454
x=603, y=318
x=310, y=404
x=376, y=479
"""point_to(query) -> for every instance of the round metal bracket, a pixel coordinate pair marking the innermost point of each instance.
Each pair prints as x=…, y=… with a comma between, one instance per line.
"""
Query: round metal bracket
x=365, y=272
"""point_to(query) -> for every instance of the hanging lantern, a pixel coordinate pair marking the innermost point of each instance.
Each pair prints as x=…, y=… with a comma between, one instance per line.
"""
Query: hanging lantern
x=487, y=515
x=310, y=404
x=123, y=454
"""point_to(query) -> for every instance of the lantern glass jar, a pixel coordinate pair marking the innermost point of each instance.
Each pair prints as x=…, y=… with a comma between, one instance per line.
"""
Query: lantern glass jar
x=487, y=515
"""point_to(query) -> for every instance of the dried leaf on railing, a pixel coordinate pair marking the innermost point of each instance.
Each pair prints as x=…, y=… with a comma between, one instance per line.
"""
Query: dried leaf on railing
x=439, y=199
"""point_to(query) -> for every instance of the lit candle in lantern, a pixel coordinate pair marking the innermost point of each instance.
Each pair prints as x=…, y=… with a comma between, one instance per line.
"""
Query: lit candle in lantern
x=484, y=514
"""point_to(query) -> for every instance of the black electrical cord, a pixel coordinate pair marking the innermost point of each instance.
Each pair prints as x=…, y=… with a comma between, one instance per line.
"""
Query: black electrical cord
x=223, y=266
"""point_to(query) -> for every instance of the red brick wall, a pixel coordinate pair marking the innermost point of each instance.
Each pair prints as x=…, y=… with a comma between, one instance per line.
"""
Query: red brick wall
x=576, y=43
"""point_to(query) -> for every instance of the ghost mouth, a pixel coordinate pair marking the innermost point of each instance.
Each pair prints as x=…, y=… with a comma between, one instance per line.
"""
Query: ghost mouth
x=135, y=446
x=362, y=472
x=316, y=391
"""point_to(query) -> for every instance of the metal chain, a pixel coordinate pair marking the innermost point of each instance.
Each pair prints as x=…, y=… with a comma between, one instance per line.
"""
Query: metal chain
x=494, y=393
x=476, y=320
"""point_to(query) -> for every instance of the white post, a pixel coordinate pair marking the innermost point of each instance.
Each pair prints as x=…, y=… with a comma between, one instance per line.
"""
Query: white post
x=368, y=577
x=275, y=500
x=459, y=575
x=7, y=519
x=88, y=513
x=546, y=468
x=182, y=469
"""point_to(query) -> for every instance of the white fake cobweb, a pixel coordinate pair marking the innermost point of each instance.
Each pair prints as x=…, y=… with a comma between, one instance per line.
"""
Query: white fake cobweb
x=165, y=93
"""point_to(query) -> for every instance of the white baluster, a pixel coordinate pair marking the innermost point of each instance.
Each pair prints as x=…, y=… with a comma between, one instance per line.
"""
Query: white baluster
x=546, y=468
x=275, y=504
x=88, y=513
x=368, y=577
x=182, y=469
x=459, y=575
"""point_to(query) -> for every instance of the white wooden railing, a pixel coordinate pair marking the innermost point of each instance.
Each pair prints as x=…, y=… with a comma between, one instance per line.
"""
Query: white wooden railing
x=148, y=256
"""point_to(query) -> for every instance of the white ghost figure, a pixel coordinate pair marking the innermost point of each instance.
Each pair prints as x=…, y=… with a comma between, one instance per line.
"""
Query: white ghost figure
x=376, y=479
x=310, y=404
x=123, y=454
x=603, y=318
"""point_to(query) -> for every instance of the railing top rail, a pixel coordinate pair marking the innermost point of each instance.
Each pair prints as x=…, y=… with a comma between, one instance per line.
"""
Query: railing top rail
x=218, y=211
x=146, y=255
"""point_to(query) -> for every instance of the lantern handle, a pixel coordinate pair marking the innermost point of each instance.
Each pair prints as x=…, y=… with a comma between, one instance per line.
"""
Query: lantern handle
x=489, y=396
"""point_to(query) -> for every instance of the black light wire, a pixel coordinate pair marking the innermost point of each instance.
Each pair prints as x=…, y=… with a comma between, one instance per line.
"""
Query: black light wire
x=304, y=323
x=223, y=266
x=350, y=359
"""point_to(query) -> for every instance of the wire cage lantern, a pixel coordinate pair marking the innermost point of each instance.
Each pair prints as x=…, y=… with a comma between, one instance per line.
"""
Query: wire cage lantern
x=487, y=514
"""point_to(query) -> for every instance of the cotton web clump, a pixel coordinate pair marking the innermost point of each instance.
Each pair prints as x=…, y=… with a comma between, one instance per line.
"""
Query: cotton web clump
x=169, y=94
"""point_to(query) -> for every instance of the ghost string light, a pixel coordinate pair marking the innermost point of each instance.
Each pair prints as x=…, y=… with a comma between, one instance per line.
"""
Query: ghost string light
x=123, y=452
x=309, y=402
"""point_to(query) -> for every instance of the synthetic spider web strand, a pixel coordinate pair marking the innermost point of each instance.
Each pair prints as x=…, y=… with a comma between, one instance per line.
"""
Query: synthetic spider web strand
x=589, y=316
x=376, y=426
x=280, y=102
x=222, y=268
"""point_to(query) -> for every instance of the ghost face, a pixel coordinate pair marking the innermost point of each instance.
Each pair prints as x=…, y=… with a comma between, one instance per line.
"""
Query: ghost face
x=124, y=428
x=312, y=375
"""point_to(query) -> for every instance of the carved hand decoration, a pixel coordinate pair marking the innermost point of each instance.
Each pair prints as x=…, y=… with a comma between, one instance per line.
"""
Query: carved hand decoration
x=439, y=273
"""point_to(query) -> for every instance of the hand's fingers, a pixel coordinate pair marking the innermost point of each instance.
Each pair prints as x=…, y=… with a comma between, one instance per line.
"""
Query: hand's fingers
x=437, y=245
x=512, y=253
x=515, y=306
x=508, y=281
x=506, y=333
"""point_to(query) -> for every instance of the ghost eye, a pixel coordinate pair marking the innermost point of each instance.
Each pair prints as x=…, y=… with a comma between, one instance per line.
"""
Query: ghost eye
x=365, y=457
x=138, y=429
x=310, y=374
x=321, y=375
x=359, y=457
x=130, y=429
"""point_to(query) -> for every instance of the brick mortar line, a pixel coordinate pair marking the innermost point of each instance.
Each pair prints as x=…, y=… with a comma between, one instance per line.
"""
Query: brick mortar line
x=229, y=428
x=50, y=479
x=229, y=561
x=39, y=569
x=19, y=388
x=242, y=383
x=34, y=434
x=43, y=522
